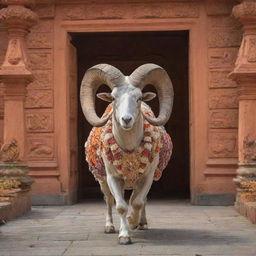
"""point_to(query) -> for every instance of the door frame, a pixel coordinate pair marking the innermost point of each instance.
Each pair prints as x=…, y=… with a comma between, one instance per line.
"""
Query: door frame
x=198, y=91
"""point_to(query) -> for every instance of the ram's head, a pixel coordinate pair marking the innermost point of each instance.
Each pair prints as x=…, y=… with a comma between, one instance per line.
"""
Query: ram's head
x=126, y=93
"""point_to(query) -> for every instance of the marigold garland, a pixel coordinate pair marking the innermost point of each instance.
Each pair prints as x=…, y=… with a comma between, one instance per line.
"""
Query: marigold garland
x=129, y=165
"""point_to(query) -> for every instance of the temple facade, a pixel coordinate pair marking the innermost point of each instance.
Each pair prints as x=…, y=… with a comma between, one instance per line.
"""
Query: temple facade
x=207, y=47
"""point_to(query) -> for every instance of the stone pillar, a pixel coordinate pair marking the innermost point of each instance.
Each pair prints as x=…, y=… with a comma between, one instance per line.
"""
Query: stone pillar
x=244, y=74
x=14, y=72
x=15, y=75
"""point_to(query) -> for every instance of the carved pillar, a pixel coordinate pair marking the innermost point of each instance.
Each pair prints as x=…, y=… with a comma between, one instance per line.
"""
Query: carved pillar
x=245, y=76
x=14, y=72
x=15, y=75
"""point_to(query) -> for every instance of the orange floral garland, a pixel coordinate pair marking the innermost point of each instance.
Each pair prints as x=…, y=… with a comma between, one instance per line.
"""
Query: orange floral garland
x=129, y=165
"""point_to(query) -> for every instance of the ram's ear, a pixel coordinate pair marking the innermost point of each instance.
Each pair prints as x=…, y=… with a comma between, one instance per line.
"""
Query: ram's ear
x=106, y=96
x=147, y=96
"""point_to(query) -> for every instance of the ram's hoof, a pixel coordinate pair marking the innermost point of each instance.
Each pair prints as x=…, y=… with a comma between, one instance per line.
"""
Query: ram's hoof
x=131, y=222
x=142, y=226
x=109, y=230
x=123, y=240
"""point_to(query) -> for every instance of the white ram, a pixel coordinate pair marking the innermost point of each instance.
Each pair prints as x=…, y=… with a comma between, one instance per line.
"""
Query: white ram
x=128, y=147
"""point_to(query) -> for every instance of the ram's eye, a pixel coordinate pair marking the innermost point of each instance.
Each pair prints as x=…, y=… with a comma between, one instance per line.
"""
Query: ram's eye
x=139, y=99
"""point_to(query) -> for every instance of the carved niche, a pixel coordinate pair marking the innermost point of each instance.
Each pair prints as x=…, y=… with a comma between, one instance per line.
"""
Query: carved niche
x=40, y=147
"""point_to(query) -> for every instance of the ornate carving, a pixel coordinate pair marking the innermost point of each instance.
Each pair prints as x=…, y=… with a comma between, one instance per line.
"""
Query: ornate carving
x=223, y=144
x=39, y=40
x=222, y=58
x=95, y=11
x=43, y=79
x=223, y=119
x=15, y=14
x=223, y=98
x=9, y=152
x=39, y=99
x=224, y=38
x=14, y=53
x=246, y=9
x=251, y=55
x=219, y=79
x=39, y=122
x=135, y=10
x=166, y=10
x=40, y=60
x=249, y=149
x=40, y=147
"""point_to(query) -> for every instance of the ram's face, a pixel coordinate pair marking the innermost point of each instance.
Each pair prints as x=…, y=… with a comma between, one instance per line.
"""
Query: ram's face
x=126, y=103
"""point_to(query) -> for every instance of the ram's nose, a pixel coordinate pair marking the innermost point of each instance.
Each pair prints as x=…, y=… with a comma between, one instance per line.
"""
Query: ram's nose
x=127, y=119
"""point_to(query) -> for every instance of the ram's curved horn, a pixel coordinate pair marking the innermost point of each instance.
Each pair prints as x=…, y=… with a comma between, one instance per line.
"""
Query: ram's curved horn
x=158, y=77
x=93, y=78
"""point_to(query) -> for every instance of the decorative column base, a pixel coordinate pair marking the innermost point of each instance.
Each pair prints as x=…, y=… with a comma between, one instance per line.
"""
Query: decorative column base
x=246, y=192
x=14, y=190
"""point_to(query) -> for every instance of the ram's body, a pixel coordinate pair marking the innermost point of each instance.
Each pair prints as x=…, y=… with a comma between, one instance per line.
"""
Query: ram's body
x=128, y=147
x=130, y=166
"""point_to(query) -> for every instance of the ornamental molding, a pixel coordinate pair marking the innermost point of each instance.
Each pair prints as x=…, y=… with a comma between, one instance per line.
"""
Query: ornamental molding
x=15, y=15
x=245, y=10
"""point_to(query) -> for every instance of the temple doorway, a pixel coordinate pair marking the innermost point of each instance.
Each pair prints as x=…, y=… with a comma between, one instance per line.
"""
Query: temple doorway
x=127, y=51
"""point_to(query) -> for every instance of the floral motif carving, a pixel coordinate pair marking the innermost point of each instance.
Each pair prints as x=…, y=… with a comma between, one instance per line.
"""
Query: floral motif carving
x=249, y=149
x=39, y=122
x=39, y=99
x=223, y=144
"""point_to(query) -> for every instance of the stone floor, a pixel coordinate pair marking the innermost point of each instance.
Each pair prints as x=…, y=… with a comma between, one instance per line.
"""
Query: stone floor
x=176, y=228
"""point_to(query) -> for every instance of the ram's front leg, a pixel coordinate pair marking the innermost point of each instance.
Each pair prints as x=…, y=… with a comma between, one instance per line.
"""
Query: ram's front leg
x=138, y=197
x=116, y=188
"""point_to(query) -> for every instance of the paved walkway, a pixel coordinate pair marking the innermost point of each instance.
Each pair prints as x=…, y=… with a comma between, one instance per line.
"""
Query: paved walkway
x=176, y=228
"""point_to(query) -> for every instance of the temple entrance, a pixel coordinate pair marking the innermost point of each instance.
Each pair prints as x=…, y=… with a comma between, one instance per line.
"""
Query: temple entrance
x=127, y=51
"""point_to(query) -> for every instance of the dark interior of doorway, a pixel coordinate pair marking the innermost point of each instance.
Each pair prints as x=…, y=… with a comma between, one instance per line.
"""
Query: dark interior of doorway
x=126, y=51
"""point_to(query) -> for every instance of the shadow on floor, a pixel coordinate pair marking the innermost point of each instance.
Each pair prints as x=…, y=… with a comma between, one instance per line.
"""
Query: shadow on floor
x=159, y=236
